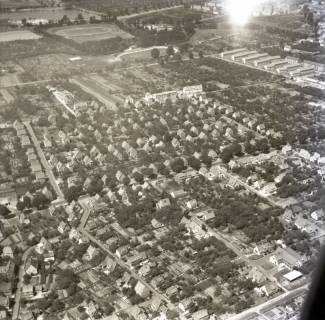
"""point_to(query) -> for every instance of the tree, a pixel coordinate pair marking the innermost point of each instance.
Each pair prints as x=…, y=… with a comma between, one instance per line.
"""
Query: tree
x=20, y=206
x=310, y=18
x=73, y=193
x=27, y=278
x=4, y=211
x=57, y=306
x=155, y=53
x=65, y=20
x=191, y=55
x=189, y=27
x=194, y=163
x=201, y=55
x=40, y=201
x=177, y=165
x=170, y=50
x=80, y=18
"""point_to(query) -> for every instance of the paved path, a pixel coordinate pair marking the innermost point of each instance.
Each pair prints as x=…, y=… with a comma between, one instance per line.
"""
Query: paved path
x=21, y=273
x=44, y=162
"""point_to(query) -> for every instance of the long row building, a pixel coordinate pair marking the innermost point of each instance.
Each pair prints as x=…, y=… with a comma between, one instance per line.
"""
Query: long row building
x=289, y=66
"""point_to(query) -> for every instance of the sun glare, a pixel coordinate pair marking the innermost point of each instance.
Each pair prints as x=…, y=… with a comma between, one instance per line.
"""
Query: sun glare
x=240, y=11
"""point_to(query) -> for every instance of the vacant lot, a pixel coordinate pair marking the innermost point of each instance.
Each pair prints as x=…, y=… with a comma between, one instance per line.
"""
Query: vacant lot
x=18, y=35
x=93, y=32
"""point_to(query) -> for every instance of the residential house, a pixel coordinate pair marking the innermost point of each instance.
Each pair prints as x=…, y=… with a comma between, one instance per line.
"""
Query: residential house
x=194, y=228
x=7, y=252
x=268, y=289
x=122, y=251
x=90, y=253
x=136, y=259
x=256, y=275
x=42, y=246
x=5, y=289
x=120, y=176
x=163, y=203
x=7, y=269
x=318, y=214
x=200, y=315
x=156, y=224
x=191, y=204
x=305, y=154
x=4, y=302
x=49, y=256
x=109, y=265
x=205, y=214
x=27, y=291
x=142, y=290
x=31, y=267
x=62, y=227
x=263, y=248
x=287, y=257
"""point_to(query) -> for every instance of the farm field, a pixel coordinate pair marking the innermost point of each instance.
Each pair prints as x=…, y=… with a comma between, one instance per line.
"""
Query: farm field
x=18, y=35
x=93, y=32
x=58, y=64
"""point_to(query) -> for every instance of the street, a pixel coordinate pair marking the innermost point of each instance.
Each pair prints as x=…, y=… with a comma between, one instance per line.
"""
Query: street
x=120, y=262
x=281, y=299
x=218, y=170
x=44, y=162
x=21, y=273
x=238, y=251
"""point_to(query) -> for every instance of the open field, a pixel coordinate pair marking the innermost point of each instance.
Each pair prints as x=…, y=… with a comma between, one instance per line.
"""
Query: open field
x=45, y=13
x=58, y=65
x=99, y=88
x=93, y=32
x=18, y=35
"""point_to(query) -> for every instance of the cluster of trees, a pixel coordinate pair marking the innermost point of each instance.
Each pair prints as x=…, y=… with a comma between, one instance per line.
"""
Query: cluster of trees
x=239, y=211
x=196, y=71
x=39, y=201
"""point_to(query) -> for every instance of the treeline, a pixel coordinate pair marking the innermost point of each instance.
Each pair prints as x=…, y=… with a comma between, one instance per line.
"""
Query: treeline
x=123, y=7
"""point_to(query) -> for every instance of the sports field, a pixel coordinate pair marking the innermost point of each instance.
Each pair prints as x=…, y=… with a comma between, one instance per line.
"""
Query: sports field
x=90, y=32
x=18, y=35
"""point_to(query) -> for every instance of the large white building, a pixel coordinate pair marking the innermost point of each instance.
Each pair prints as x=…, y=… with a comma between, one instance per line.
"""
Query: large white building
x=254, y=57
x=241, y=55
x=228, y=54
x=267, y=60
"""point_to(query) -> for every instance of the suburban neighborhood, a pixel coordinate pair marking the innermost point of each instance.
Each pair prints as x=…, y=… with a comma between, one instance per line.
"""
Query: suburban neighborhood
x=160, y=161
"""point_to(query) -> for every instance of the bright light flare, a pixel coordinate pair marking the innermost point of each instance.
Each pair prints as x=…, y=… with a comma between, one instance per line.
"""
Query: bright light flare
x=240, y=11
